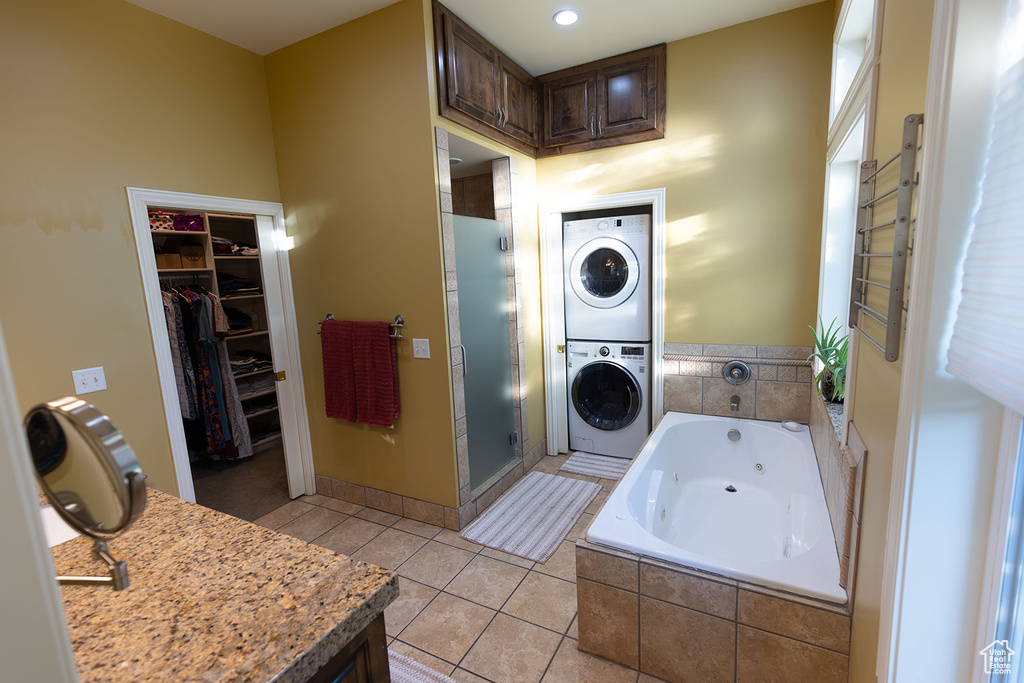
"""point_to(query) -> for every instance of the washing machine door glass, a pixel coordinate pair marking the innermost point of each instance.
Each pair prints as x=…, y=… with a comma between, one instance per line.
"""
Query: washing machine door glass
x=606, y=396
x=604, y=272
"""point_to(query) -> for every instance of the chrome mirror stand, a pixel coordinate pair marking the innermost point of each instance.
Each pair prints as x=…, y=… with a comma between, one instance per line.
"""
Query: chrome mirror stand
x=118, y=577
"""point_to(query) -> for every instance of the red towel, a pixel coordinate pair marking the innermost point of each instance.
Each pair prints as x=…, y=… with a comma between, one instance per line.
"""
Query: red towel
x=373, y=357
x=360, y=372
x=339, y=374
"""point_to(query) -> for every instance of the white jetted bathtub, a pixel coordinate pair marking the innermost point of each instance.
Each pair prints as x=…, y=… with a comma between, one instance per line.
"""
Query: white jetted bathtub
x=751, y=508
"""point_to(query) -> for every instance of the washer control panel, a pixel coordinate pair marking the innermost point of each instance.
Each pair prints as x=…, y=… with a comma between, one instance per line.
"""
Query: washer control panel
x=619, y=225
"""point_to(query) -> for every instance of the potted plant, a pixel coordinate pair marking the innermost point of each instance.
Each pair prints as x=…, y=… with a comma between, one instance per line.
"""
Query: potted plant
x=831, y=349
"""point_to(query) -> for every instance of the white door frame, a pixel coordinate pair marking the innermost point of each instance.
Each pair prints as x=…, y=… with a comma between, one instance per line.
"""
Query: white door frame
x=34, y=640
x=274, y=263
x=553, y=304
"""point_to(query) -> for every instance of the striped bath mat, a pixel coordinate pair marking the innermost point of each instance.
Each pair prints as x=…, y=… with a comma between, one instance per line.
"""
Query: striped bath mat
x=603, y=466
x=405, y=670
x=533, y=517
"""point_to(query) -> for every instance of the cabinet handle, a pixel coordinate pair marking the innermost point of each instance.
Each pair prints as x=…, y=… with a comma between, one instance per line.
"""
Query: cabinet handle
x=591, y=124
x=600, y=116
x=503, y=117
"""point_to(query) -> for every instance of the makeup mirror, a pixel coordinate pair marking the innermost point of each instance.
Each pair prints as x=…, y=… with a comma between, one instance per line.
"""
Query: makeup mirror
x=90, y=475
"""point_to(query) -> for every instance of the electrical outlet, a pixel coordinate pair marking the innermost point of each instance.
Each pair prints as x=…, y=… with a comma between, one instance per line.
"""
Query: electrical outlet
x=89, y=380
x=421, y=348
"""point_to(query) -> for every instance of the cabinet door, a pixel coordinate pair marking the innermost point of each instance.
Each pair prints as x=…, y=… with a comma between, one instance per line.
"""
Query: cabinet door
x=628, y=97
x=570, y=108
x=518, y=102
x=471, y=74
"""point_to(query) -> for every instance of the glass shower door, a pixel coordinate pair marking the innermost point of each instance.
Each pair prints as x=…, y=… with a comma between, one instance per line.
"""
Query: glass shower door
x=483, y=323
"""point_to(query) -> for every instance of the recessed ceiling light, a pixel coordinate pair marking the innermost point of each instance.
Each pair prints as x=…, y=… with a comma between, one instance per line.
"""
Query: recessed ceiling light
x=453, y=161
x=566, y=17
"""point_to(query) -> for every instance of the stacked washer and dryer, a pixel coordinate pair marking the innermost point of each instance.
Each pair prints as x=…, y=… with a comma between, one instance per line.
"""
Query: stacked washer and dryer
x=608, y=333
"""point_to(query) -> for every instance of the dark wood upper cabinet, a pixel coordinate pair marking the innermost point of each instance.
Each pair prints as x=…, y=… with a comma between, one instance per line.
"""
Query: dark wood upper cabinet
x=480, y=87
x=610, y=102
x=613, y=101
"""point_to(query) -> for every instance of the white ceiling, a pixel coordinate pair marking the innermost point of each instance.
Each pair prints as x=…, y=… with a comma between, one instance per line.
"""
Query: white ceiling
x=522, y=29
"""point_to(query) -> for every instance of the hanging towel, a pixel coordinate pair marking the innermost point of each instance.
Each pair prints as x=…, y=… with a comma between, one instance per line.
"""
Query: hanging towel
x=360, y=378
x=339, y=373
x=373, y=355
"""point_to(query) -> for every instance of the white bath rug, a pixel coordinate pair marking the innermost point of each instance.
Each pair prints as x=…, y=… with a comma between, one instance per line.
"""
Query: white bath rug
x=603, y=466
x=405, y=670
x=531, y=518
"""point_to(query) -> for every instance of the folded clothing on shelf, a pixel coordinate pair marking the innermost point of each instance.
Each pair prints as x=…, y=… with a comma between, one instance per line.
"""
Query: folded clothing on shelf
x=232, y=285
x=239, y=322
x=225, y=247
x=247, y=386
x=248, y=361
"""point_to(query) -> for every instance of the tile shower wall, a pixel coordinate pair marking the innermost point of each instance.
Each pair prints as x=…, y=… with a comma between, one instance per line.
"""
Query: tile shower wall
x=779, y=387
x=680, y=624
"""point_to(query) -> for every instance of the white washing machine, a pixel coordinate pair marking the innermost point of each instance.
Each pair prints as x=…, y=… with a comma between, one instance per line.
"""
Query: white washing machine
x=609, y=396
x=608, y=278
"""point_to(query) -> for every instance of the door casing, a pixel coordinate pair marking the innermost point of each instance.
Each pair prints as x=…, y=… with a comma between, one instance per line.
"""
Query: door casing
x=553, y=304
x=277, y=281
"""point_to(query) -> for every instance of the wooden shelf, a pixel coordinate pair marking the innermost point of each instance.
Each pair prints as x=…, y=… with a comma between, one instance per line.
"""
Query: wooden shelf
x=247, y=336
x=266, y=411
x=184, y=271
x=249, y=397
x=162, y=231
x=239, y=298
x=253, y=374
x=269, y=439
x=236, y=258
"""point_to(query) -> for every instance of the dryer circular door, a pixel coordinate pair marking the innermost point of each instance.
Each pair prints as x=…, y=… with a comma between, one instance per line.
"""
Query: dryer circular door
x=606, y=395
x=604, y=272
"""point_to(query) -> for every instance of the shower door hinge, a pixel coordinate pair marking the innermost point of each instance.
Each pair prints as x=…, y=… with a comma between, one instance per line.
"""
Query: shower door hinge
x=513, y=438
x=280, y=376
x=503, y=243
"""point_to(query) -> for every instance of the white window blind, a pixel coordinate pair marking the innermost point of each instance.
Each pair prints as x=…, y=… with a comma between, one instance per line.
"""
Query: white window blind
x=987, y=347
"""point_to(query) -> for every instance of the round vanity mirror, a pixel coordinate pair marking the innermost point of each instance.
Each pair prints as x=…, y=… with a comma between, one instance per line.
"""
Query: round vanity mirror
x=89, y=473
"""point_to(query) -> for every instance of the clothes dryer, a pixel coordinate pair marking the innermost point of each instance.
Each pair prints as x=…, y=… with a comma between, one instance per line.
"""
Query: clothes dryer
x=607, y=278
x=609, y=388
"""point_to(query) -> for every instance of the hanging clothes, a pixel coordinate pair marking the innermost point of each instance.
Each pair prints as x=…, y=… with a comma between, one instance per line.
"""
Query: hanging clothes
x=174, y=333
x=215, y=423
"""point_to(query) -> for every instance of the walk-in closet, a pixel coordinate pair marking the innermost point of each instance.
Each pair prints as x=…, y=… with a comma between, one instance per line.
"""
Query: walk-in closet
x=214, y=298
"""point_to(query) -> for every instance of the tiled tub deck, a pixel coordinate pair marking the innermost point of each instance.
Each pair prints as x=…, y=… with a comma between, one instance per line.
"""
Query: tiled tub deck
x=680, y=624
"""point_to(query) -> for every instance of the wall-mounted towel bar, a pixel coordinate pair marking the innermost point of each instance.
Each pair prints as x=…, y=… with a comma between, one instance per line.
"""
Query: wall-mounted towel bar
x=876, y=204
x=395, y=326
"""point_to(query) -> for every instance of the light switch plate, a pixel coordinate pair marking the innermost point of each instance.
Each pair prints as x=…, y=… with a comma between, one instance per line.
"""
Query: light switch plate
x=89, y=380
x=421, y=348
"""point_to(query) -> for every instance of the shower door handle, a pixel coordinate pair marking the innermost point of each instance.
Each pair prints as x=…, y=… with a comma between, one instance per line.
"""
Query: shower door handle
x=463, y=360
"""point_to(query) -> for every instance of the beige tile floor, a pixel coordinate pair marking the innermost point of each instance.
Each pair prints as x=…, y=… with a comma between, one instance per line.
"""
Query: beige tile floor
x=468, y=611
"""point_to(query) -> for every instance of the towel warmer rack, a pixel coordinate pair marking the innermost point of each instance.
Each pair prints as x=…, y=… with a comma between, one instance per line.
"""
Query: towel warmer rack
x=872, y=206
x=395, y=326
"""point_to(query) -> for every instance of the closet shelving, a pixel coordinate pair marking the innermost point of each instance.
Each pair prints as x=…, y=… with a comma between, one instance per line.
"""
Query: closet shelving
x=220, y=274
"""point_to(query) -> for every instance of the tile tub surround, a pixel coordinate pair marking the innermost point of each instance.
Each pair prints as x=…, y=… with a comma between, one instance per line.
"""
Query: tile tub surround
x=213, y=595
x=779, y=387
x=842, y=478
x=681, y=624
x=455, y=519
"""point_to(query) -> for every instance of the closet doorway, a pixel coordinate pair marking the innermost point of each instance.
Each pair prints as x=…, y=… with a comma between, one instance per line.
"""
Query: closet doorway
x=239, y=261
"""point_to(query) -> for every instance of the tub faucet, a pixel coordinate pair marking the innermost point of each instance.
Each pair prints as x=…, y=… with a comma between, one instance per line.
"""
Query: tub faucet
x=734, y=403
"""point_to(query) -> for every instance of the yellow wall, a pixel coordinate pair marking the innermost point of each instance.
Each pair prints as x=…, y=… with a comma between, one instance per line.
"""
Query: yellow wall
x=355, y=154
x=902, y=79
x=743, y=165
x=99, y=96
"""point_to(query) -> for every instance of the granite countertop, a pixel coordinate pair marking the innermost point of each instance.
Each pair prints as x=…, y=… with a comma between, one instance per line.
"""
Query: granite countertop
x=213, y=598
